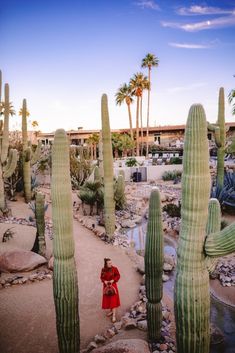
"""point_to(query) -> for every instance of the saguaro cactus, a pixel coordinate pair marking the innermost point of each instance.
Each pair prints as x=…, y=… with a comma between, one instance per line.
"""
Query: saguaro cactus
x=192, y=301
x=154, y=266
x=109, y=204
x=120, y=197
x=40, y=242
x=65, y=285
x=219, y=130
x=9, y=158
x=29, y=157
x=100, y=159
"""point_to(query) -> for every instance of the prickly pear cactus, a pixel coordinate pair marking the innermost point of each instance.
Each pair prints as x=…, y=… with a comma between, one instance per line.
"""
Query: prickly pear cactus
x=154, y=266
x=65, y=284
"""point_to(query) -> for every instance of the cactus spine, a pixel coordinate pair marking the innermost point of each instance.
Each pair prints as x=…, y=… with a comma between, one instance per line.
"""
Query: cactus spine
x=154, y=266
x=109, y=204
x=9, y=158
x=29, y=157
x=40, y=243
x=65, y=285
x=192, y=301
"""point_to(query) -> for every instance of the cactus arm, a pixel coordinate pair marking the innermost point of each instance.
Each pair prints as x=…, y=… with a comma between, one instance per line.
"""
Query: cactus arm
x=216, y=130
x=36, y=155
x=11, y=163
x=192, y=301
x=154, y=266
x=5, y=136
x=221, y=243
x=65, y=286
x=109, y=204
x=213, y=225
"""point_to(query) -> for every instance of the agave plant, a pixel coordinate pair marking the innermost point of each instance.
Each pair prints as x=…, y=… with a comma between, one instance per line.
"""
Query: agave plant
x=226, y=195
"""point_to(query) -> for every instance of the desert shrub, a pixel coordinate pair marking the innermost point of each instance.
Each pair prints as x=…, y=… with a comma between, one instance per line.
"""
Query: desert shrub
x=175, y=160
x=172, y=210
x=131, y=162
x=91, y=193
x=172, y=175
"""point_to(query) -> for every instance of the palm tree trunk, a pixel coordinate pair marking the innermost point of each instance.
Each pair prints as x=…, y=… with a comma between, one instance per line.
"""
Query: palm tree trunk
x=147, y=131
x=141, y=124
x=130, y=120
x=137, y=126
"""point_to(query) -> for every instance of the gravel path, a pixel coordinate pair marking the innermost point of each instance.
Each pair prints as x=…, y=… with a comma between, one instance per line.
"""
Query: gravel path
x=27, y=317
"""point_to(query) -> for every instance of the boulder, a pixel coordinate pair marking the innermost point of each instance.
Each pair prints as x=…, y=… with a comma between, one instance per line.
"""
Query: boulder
x=127, y=223
x=125, y=346
x=20, y=260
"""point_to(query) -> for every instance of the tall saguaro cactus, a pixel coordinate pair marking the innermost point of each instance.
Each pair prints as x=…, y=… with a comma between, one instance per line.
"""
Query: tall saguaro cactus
x=9, y=158
x=219, y=130
x=29, y=157
x=154, y=266
x=192, y=301
x=65, y=285
x=109, y=204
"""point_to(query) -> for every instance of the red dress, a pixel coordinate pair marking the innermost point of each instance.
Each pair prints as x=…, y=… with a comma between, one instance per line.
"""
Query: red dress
x=107, y=274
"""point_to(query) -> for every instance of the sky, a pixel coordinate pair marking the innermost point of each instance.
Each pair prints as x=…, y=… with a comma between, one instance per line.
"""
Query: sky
x=62, y=55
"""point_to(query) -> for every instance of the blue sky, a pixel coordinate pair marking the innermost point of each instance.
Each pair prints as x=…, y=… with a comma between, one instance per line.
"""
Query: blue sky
x=62, y=55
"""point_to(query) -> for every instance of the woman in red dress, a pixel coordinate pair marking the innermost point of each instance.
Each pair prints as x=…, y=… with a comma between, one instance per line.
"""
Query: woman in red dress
x=110, y=276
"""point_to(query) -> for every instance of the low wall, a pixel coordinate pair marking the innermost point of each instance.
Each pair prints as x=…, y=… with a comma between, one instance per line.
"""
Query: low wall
x=153, y=172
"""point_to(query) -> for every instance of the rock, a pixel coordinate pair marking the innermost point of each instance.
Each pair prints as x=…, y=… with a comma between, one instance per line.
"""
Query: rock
x=127, y=223
x=142, y=282
x=118, y=325
x=168, y=259
x=163, y=347
x=142, y=325
x=165, y=278
x=140, y=265
x=129, y=324
x=20, y=260
x=216, y=335
x=167, y=267
x=91, y=346
x=125, y=346
x=99, y=339
x=51, y=263
x=110, y=333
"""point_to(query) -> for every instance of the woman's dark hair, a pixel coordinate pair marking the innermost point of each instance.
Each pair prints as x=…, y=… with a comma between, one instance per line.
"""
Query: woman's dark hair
x=106, y=260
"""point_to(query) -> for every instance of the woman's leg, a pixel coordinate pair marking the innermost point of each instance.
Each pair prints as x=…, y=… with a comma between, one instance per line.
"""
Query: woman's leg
x=114, y=315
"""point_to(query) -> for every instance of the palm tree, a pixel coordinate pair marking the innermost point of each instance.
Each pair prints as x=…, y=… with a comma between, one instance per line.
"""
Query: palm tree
x=138, y=83
x=11, y=108
x=93, y=140
x=125, y=94
x=231, y=99
x=149, y=61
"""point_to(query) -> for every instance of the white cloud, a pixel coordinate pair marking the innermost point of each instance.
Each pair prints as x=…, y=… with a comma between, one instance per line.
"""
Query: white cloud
x=148, y=4
x=220, y=22
x=187, y=88
x=203, y=10
x=190, y=46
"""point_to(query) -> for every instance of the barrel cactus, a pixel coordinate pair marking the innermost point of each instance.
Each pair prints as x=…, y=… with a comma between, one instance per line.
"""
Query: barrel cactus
x=154, y=266
x=9, y=157
x=109, y=204
x=192, y=300
x=65, y=284
x=30, y=157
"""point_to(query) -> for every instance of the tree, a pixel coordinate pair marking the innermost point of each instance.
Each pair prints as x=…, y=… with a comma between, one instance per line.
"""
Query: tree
x=116, y=143
x=93, y=141
x=11, y=108
x=125, y=94
x=138, y=83
x=149, y=61
x=231, y=99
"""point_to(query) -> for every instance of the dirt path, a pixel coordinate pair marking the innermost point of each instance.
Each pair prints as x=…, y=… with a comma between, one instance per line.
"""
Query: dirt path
x=27, y=317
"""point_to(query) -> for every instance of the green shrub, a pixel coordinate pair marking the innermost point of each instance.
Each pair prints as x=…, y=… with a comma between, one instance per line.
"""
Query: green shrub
x=171, y=175
x=131, y=162
x=172, y=210
x=175, y=160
